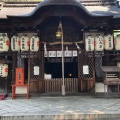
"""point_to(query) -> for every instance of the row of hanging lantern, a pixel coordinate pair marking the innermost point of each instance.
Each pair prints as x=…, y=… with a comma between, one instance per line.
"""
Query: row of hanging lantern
x=100, y=42
x=23, y=43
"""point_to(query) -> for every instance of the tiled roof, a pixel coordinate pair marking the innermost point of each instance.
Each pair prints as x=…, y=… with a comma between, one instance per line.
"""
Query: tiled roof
x=97, y=2
x=104, y=10
x=17, y=9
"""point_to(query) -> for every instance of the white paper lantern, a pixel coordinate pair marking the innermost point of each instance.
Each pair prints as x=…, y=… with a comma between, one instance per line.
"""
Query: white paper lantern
x=4, y=43
x=108, y=42
x=34, y=43
x=3, y=70
x=99, y=45
x=89, y=43
x=117, y=42
x=15, y=43
x=24, y=43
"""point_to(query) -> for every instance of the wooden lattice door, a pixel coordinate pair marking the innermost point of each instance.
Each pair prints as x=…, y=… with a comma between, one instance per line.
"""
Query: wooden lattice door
x=36, y=82
x=86, y=81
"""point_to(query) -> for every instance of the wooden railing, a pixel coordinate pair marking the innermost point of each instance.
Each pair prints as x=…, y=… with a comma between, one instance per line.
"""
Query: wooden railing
x=54, y=85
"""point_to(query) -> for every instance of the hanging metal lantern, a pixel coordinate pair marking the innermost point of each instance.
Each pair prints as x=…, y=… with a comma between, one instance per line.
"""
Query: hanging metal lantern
x=99, y=44
x=15, y=43
x=108, y=42
x=24, y=43
x=58, y=34
x=34, y=43
x=4, y=43
x=117, y=42
x=3, y=70
x=89, y=43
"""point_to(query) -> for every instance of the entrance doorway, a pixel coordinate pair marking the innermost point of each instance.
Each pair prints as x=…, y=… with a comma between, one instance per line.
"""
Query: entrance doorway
x=53, y=68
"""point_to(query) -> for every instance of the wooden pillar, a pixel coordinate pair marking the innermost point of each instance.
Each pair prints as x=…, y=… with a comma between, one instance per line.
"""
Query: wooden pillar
x=29, y=72
x=107, y=58
x=14, y=64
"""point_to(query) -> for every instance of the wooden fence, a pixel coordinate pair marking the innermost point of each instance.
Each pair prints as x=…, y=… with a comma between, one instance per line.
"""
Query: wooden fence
x=54, y=85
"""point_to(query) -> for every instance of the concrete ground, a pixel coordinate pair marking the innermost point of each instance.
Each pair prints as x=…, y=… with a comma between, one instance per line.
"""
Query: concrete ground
x=60, y=108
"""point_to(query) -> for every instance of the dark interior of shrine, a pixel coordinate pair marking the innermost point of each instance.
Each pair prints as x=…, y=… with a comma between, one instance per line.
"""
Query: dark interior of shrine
x=71, y=29
x=54, y=67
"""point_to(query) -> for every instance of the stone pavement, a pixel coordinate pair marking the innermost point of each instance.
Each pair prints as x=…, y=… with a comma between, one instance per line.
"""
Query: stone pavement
x=60, y=108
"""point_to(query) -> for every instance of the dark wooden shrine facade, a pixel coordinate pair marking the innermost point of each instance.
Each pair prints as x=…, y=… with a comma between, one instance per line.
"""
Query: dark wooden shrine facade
x=44, y=20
